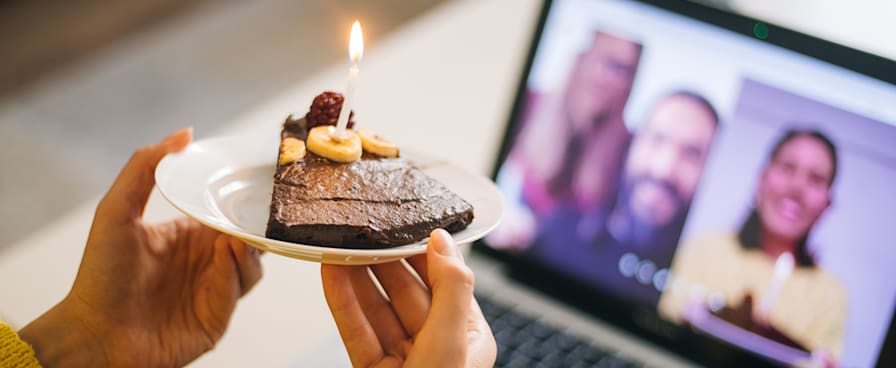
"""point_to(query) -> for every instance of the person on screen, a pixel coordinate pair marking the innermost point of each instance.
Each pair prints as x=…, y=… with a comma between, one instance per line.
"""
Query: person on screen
x=767, y=270
x=627, y=248
x=558, y=127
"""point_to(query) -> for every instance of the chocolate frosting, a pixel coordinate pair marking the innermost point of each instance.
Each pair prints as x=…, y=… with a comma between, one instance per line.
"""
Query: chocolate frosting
x=370, y=203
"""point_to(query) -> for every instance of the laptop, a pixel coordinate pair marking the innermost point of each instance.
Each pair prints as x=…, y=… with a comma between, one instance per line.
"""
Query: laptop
x=687, y=186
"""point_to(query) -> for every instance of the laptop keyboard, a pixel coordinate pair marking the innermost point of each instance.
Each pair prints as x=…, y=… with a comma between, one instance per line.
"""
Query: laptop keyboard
x=525, y=341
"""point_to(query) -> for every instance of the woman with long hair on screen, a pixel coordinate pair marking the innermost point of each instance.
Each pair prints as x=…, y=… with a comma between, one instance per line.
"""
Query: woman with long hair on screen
x=765, y=277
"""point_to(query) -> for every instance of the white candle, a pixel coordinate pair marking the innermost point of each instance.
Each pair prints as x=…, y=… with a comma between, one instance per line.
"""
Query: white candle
x=349, y=95
x=355, y=51
x=783, y=268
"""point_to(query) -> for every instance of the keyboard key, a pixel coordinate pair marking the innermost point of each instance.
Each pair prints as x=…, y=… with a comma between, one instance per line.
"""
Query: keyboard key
x=609, y=362
x=518, y=320
x=574, y=357
x=537, y=330
x=505, y=335
x=578, y=365
x=490, y=309
x=550, y=365
x=542, y=330
x=503, y=358
x=500, y=324
x=562, y=341
x=553, y=359
x=529, y=348
x=545, y=348
x=520, y=361
x=524, y=341
x=585, y=353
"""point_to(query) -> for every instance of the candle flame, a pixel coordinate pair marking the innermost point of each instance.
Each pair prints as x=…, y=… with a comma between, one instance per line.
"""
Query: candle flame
x=356, y=43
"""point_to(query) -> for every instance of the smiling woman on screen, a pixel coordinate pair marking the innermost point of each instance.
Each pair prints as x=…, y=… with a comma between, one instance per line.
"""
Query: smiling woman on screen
x=766, y=270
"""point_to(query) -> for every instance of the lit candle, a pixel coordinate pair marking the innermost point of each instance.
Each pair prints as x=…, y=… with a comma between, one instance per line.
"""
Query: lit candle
x=355, y=51
x=783, y=268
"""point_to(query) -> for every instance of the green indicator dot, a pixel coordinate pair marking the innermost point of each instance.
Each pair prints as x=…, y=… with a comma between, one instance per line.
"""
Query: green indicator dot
x=760, y=30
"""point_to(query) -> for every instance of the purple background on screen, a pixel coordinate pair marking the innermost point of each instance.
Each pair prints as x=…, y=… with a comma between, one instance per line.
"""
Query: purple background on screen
x=855, y=239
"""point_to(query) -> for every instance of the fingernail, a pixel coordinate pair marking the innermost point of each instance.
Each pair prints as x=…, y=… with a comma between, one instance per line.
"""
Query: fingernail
x=443, y=243
x=179, y=139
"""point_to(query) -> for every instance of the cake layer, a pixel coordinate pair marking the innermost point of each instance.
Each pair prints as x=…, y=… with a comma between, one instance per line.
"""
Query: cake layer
x=370, y=203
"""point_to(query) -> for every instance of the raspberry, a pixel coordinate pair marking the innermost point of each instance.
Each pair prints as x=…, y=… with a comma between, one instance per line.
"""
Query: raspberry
x=325, y=109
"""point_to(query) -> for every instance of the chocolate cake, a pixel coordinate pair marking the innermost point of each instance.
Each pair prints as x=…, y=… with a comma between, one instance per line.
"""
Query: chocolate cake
x=742, y=316
x=372, y=202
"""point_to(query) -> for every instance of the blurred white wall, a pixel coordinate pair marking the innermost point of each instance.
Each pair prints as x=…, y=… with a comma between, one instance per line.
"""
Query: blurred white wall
x=864, y=24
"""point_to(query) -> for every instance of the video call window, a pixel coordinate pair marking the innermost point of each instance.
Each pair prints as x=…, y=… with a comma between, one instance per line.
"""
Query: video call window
x=739, y=200
x=786, y=234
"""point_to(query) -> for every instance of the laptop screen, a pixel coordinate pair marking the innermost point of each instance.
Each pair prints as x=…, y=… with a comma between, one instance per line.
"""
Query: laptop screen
x=739, y=189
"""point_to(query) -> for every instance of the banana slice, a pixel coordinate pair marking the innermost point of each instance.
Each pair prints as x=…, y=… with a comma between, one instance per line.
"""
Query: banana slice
x=291, y=150
x=323, y=141
x=373, y=143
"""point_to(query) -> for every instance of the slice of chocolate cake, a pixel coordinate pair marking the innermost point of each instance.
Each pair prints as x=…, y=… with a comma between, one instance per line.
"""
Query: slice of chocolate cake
x=372, y=202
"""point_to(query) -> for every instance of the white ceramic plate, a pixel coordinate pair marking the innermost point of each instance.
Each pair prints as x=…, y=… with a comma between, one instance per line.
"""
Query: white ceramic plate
x=226, y=183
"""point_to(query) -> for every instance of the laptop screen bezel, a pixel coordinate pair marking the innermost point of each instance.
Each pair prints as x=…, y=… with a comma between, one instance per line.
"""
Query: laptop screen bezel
x=645, y=322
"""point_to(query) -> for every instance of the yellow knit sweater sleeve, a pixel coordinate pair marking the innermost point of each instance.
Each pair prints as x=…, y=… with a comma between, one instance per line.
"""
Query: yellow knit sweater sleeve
x=15, y=353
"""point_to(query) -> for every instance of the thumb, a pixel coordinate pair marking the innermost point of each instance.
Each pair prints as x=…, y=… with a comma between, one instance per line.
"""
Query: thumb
x=451, y=282
x=449, y=276
x=127, y=197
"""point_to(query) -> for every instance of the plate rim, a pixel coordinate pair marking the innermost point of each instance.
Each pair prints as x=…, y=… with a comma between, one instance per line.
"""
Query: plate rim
x=258, y=241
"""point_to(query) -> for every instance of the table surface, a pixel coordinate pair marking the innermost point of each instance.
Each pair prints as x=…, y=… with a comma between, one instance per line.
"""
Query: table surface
x=440, y=85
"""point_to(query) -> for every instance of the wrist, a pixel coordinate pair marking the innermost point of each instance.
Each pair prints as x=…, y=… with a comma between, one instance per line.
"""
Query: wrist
x=60, y=338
